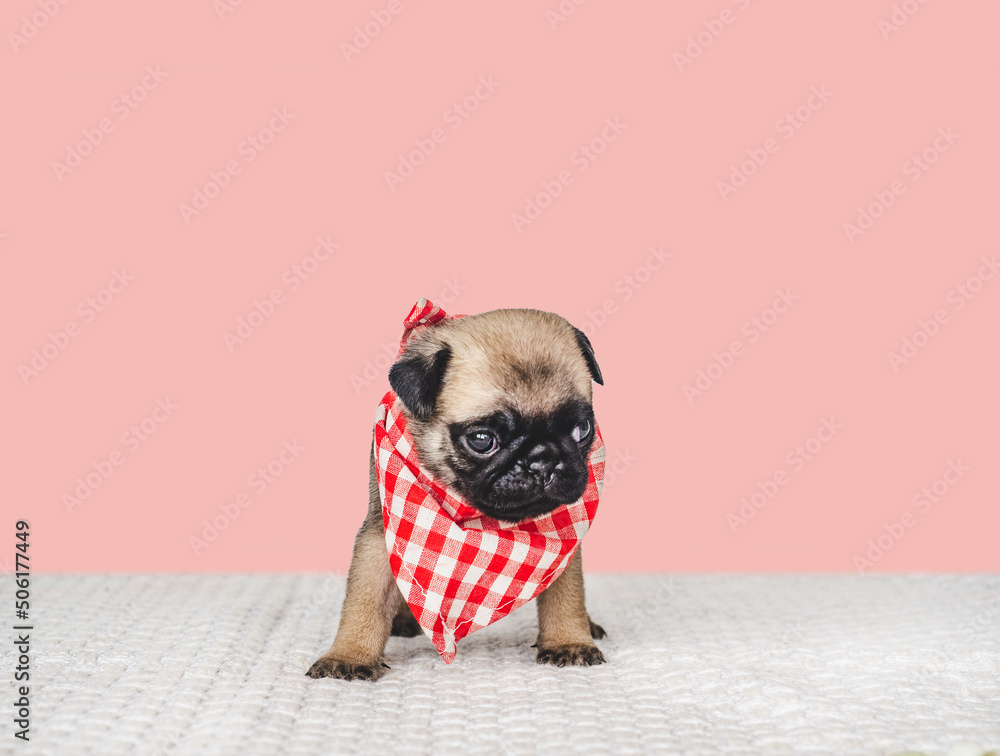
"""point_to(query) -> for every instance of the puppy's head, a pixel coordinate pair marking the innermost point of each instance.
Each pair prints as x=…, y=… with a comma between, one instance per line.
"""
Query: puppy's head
x=500, y=408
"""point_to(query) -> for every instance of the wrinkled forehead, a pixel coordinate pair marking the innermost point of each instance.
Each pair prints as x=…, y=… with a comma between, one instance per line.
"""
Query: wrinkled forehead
x=533, y=386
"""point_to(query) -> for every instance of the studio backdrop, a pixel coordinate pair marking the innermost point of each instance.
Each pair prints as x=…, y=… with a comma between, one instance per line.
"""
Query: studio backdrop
x=776, y=222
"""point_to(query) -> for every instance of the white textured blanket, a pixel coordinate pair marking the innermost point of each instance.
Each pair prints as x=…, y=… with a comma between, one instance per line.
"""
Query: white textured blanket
x=185, y=664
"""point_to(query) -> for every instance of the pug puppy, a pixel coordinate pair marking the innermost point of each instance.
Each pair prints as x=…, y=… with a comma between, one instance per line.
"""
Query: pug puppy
x=500, y=408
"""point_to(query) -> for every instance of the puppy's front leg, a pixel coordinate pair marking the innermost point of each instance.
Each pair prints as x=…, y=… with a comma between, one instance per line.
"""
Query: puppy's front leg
x=565, y=632
x=370, y=603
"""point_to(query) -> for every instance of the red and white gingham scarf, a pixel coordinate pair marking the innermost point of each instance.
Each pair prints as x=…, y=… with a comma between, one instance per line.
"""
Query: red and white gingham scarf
x=458, y=569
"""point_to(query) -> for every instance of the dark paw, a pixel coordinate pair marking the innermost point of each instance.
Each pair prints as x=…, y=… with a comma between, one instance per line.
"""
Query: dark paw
x=406, y=627
x=596, y=631
x=573, y=655
x=327, y=667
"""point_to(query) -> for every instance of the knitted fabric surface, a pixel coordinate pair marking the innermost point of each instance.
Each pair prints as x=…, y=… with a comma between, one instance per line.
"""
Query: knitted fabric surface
x=698, y=665
x=458, y=569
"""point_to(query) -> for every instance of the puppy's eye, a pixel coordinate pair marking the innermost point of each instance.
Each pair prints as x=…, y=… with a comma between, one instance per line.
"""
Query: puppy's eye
x=582, y=431
x=482, y=442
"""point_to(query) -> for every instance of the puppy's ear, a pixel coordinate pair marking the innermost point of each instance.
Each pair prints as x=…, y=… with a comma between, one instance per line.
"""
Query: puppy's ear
x=588, y=354
x=417, y=379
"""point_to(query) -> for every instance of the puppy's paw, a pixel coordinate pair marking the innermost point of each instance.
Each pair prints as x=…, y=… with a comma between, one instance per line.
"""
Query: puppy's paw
x=406, y=626
x=340, y=670
x=596, y=631
x=571, y=655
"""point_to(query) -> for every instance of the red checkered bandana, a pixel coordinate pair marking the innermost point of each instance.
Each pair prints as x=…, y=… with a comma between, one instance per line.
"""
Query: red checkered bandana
x=458, y=569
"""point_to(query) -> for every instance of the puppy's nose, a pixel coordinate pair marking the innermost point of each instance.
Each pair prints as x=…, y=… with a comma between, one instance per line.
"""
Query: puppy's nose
x=542, y=464
x=542, y=469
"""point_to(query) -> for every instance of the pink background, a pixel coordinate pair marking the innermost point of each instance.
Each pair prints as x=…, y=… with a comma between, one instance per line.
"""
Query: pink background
x=446, y=232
